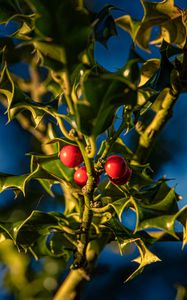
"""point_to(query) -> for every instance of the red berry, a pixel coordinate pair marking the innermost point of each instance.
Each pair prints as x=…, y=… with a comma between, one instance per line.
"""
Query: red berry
x=71, y=156
x=80, y=176
x=122, y=180
x=115, y=166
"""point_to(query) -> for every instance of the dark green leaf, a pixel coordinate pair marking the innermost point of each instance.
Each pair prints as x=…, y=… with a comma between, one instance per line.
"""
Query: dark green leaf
x=104, y=26
x=100, y=97
x=161, y=79
x=51, y=56
x=55, y=24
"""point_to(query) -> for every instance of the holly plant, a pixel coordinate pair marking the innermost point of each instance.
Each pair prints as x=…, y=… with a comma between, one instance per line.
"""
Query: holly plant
x=81, y=115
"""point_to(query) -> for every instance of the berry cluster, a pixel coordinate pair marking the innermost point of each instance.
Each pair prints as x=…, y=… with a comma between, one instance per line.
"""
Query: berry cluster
x=115, y=167
x=117, y=170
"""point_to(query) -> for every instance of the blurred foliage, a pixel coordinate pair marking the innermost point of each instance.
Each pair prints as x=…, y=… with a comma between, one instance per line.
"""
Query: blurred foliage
x=181, y=292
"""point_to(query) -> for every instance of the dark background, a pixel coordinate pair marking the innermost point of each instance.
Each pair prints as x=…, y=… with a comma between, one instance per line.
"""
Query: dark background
x=159, y=280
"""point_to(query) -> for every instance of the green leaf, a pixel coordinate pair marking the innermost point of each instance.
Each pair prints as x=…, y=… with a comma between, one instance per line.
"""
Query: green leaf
x=120, y=231
x=55, y=28
x=60, y=246
x=170, y=50
x=22, y=52
x=6, y=231
x=104, y=218
x=145, y=97
x=47, y=185
x=140, y=177
x=38, y=223
x=117, y=147
x=19, y=181
x=51, y=56
x=52, y=165
x=148, y=69
x=104, y=26
x=120, y=147
x=161, y=79
x=120, y=204
x=128, y=24
x=27, y=23
x=6, y=84
x=162, y=96
x=164, y=14
x=19, y=101
x=146, y=257
x=100, y=97
x=45, y=169
x=39, y=234
x=110, y=192
x=167, y=223
x=160, y=210
x=11, y=10
x=131, y=70
x=60, y=143
x=181, y=216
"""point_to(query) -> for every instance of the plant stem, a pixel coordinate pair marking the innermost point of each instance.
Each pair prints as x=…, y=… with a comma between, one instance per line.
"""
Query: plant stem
x=63, y=128
x=87, y=160
x=88, y=189
x=147, y=138
x=108, y=144
x=69, y=288
x=67, y=90
x=92, y=146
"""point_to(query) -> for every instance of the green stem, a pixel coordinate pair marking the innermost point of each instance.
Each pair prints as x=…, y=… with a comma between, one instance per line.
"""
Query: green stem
x=92, y=147
x=69, y=288
x=88, y=190
x=103, y=209
x=147, y=138
x=63, y=128
x=67, y=90
x=87, y=160
x=108, y=144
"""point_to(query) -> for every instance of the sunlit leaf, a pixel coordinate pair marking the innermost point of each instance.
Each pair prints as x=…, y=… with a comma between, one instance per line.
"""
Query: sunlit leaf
x=19, y=181
x=146, y=257
x=164, y=14
x=52, y=165
x=148, y=69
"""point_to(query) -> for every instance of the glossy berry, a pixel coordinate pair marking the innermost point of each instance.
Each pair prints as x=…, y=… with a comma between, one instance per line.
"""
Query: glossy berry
x=71, y=156
x=115, y=166
x=122, y=180
x=80, y=176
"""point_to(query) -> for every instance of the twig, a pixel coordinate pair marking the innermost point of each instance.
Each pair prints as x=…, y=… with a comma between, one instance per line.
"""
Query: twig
x=147, y=138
